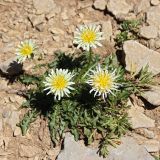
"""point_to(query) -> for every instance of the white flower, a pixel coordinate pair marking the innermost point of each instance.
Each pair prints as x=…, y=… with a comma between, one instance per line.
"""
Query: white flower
x=88, y=36
x=59, y=83
x=25, y=50
x=102, y=82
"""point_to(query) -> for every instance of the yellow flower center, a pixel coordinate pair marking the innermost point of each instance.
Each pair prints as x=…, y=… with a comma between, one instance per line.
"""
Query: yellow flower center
x=59, y=82
x=88, y=36
x=103, y=81
x=26, y=50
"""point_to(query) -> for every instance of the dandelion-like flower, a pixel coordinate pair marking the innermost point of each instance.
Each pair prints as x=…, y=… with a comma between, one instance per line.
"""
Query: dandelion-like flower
x=88, y=36
x=25, y=50
x=103, y=82
x=59, y=83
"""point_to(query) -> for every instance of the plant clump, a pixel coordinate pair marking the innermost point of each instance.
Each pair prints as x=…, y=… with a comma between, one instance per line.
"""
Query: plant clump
x=87, y=94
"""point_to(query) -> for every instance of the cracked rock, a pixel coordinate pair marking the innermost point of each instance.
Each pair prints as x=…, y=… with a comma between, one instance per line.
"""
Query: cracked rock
x=141, y=6
x=149, y=32
x=138, y=56
x=138, y=119
x=153, y=95
x=119, y=7
x=153, y=15
x=127, y=150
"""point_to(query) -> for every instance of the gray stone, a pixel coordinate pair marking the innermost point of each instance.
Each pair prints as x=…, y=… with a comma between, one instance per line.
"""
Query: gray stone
x=11, y=67
x=152, y=145
x=44, y=6
x=141, y=6
x=153, y=15
x=107, y=29
x=129, y=150
x=138, y=119
x=100, y=4
x=153, y=95
x=146, y=133
x=74, y=151
x=119, y=7
x=155, y=2
x=138, y=56
x=149, y=32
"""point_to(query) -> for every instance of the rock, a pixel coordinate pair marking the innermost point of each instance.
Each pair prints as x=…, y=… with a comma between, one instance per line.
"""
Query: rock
x=4, y=85
x=64, y=15
x=84, y=4
x=151, y=44
x=44, y=6
x=146, y=133
x=155, y=2
x=153, y=15
x=56, y=31
x=119, y=7
x=11, y=67
x=157, y=43
x=1, y=124
x=52, y=13
x=138, y=119
x=17, y=131
x=13, y=119
x=107, y=29
x=37, y=20
x=129, y=150
x=74, y=151
x=100, y=4
x=141, y=6
x=29, y=151
x=40, y=27
x=138, y=56
x=149, y=32
x=153, y=95
x=152, y=145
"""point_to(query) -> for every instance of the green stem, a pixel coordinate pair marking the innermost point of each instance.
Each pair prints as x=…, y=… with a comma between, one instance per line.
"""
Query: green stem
x=85, y=69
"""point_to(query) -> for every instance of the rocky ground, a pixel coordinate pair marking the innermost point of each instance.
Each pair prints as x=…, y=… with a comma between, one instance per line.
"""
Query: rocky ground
x=51, y=24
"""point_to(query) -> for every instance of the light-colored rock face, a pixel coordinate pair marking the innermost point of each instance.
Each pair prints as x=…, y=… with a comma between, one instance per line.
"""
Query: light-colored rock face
x=74, y=151
x=44, y=6
x=152, y=145
x=128, y=150
x=100, y=4
x=138, y=119
x=155, y=2
x=153, y=95
x=149, y=32
x=119, y=7
x=138, y=56
x=36, y=20
x=153, y=15
x=141, y=6
x=107, y=29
